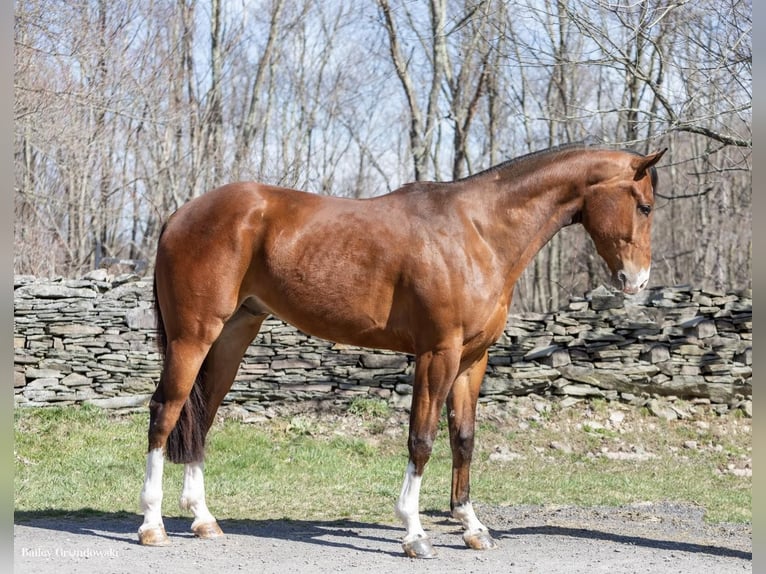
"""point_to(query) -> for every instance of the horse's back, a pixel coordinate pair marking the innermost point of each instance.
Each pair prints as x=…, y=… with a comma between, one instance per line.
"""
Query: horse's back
x=353, y=271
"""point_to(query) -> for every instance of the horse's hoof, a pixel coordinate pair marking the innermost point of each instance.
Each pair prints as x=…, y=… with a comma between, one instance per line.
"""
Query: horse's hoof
x=155, y=536
x=207, y=530
x=419, y=548
x=480, y=541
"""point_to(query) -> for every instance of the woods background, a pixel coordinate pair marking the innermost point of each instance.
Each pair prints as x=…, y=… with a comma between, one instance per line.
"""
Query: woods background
x=126, y=109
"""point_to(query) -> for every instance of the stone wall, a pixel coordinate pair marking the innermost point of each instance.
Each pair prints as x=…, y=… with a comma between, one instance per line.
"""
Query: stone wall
x=93, y=341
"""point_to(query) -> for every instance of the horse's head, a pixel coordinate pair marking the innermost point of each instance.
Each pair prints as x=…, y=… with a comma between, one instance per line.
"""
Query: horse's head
x=617, y=213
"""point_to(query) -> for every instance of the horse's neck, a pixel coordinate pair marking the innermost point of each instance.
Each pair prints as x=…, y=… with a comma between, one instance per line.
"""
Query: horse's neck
x=523, y=215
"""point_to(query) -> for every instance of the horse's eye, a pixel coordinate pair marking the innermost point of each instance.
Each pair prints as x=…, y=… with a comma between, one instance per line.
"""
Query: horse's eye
x=645, y=209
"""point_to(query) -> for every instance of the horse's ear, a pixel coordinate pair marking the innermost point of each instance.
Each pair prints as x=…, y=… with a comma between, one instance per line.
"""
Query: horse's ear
x=642, y=164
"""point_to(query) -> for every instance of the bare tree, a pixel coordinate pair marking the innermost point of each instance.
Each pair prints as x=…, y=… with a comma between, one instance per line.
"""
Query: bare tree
x=250, y=123
x=126, y=110
x=422, y=122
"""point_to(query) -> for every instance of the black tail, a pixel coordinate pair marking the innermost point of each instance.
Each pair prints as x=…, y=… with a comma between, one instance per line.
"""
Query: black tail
x=186, y=442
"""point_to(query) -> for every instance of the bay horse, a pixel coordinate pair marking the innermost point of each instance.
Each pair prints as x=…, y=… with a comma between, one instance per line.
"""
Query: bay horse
x=428, y=270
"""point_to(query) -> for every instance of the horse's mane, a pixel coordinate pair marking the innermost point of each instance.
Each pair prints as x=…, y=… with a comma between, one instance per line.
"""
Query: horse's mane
x=526, y=158
x=551, y=151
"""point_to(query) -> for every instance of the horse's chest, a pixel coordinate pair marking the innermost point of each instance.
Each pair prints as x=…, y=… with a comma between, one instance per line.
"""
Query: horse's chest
x=485, y=330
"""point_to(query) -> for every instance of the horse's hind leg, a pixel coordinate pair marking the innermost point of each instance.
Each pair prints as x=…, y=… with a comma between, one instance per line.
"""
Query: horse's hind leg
x=221, y=367
x=152, y=531
x=183, y=361
x=461, y=413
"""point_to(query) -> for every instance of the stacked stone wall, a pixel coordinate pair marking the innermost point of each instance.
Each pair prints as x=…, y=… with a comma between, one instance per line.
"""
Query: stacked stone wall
x=93, y=341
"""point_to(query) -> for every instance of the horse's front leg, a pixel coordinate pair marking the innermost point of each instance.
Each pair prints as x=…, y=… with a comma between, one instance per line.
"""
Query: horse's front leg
x=415, y=542
x=435, y=372
x=461, y=412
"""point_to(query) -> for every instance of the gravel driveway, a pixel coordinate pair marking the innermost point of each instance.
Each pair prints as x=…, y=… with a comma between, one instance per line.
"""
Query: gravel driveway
x=631, y=539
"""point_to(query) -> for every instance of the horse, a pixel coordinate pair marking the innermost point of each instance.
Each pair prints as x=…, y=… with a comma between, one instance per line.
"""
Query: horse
x=428, y=270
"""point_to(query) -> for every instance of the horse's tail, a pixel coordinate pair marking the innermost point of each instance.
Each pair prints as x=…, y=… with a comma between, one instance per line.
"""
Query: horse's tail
x=186, y=442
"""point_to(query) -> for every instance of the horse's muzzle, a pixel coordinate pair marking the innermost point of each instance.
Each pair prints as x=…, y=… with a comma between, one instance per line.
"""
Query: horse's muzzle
x=631, y=282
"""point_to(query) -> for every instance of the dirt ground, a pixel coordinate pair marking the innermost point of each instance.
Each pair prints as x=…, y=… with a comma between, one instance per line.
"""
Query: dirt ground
x=637, y=539
x=632, y=539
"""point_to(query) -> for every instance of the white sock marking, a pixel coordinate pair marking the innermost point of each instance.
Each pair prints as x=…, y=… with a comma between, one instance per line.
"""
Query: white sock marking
x=467, y=516
x=151, y=494
x=193, y=493
x=408, y=505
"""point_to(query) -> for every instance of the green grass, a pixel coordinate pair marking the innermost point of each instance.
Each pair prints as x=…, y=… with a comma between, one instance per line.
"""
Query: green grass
x=369, y=407
x=73, y=460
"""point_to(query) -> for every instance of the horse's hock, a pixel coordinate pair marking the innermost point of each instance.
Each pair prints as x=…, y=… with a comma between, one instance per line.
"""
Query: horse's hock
x=93, y=341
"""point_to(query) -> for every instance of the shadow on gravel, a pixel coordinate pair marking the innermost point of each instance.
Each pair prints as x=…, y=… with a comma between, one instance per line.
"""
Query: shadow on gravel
x=349, y=534
x=345, y=533
x=624, y=539
x=123, y=526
